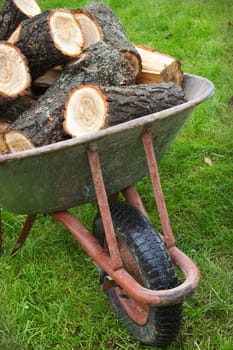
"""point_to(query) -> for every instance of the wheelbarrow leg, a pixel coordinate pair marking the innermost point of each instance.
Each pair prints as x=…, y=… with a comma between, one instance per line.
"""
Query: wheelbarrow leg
x=133, y=197
x=97, y=176
x=24, y=233
x=157, y=188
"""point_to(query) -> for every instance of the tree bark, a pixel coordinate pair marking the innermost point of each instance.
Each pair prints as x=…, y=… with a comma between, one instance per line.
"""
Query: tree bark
x=113, y=32
x=48, y=40
x=100, y=64
x=90, y=108
x=14, y=12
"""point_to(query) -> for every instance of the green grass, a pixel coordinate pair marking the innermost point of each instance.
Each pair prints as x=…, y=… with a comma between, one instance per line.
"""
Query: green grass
x=50, y=298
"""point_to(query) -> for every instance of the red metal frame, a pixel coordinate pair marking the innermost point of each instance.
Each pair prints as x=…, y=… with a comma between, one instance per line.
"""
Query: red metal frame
x=158, y=193
x=29, y=221
x=102, y=200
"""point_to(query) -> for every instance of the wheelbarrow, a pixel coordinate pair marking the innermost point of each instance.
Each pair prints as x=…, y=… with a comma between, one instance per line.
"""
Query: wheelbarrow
x=135, y=262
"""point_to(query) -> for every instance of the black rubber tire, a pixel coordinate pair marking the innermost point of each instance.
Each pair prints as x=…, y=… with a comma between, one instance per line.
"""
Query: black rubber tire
x=156, y=270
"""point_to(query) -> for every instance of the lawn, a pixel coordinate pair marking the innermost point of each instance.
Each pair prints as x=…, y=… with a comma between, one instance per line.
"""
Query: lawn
x=50, y=296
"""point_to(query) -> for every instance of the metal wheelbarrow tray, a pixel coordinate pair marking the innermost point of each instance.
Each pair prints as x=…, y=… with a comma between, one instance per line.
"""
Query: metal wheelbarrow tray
x=97, y=167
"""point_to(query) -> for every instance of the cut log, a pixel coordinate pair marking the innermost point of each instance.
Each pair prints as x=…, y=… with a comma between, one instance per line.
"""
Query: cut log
x=90, y=108
x=14, y=72
x=13, y=13
x=85, y=110
x=15, y=141
x=3, y=146
x=11, y=110
x=3, y=126
x=48, y=40
x=92, y=32
x=158, y=67
x=114, y=33
x=99, y=64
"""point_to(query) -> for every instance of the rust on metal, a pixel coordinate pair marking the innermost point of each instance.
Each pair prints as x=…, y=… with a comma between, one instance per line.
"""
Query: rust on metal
x=137, y=311
x=157, y=188
x=24, y=233
x=122, y=278
x=94, y=161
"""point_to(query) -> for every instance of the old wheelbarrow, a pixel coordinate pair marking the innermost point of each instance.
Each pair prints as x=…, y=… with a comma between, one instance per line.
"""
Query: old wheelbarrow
x=135, y=262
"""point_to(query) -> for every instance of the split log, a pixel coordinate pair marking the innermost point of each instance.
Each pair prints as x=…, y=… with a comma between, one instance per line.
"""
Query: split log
x=13, y=13
x=48, y=40
x=158, y=67
x=3, y=146
x=14, y=141
x=3, y=125
x=14, y=72
x=99, y=64
x=90, y=108
x=113, y=32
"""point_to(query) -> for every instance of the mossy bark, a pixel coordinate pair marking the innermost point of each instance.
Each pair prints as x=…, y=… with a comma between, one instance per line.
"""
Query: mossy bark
x=113, y=32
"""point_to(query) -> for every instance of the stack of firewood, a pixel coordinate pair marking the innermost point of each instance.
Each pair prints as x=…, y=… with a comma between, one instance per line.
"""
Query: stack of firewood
x=65, y=73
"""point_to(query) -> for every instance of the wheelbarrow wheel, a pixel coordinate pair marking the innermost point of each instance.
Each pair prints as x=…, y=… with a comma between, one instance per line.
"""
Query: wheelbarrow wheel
x=145, y=257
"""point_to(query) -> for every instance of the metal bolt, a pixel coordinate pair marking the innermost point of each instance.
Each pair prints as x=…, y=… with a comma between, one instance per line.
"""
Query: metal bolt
x=93, y=147
x=148, y=128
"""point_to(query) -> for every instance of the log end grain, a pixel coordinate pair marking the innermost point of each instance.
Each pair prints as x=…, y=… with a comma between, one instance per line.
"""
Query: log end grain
x=92, y=32
x=14, y=73
x=29, y=8
x=85, y=110
x=14, y=37
x=66, y=33
x=3, y=147
x=16, y=141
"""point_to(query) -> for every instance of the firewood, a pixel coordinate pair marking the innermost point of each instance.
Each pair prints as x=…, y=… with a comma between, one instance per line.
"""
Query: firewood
x=99, y=64
x=92, y=31
x=3, y=146
x=13, y=13
x=49, y=39
x=90, y=108
x=158, y=67
x=15, y=141
x=41, y=84
x=113, y=32
x=14, y=72
x=3, y=125
x=11, y=110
